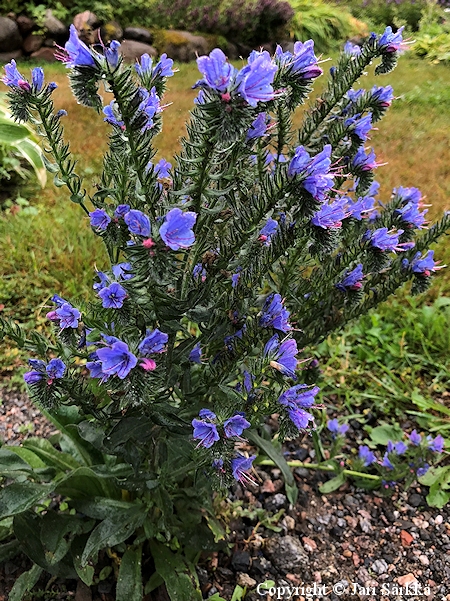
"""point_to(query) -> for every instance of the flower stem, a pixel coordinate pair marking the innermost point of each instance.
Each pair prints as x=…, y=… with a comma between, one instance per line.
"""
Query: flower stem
x=323, y=468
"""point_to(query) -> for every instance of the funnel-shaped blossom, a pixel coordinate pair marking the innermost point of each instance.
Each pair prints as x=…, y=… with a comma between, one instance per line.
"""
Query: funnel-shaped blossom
x=99, y=219
x=330, y=215
x=389, y=41
x=299, y=396
x=138, y=223
x=154, y=342
x=274, y=314
x=216, y=70
x=68, y=316
x=258, y=128
x=234, y=426
x=113, y=296
x=75, y=53
x=254, y=81
x=366, y=455
x=12, y=76
x=116, y=359
x=205, y=430
x=176, y=231
x=240, y=465
x=283, y=356
x=352, y=280
x=383, y=95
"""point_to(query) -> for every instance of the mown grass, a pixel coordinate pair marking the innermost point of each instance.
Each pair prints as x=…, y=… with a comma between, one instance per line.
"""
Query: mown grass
x=397, y=353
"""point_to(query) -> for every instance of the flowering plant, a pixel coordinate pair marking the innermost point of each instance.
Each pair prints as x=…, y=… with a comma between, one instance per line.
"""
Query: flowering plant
x=225, y=270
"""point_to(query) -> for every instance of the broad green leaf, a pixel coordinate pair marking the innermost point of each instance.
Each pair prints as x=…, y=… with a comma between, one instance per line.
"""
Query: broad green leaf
x=437, y=497
x=173, y=569
x=279, y=460
x=25, y=583
x=11, y=464
x=27, y=455
x=112, y=532
x=238, y=593
x=6, y=528
x=11, y=132
x=57, y=533
x=101, y=508
x=435, y=474
x=216, y=527
x=382, y=434
x=32, y=153
x=332, y=484
x=47, y=452
x=20, y=496
x=83, y=483
x=129, y=582
x=85, y=573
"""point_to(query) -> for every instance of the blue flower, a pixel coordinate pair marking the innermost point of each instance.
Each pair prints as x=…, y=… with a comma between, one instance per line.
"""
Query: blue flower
x=411, y=215
x=248, y=381
x=116, y=359
x=99, y=219
x=352, y=279
x=265, y=235
x=258, y=128
x=75, y=52
x=383, y=95
x=387, y=462
x=318, y=179
x=145, y=66
x=55, y=370
x=176, y=231
x=234, y=426
x=199, y=272
x=12, y=76
x=352, y=49
x=138, y=223
x=421, y=471
x=361, y=208
x=385, y=240
x=304, y=61
x=240, y=465
x=205, y=431
x=415, y=438
x=163, y=67
x=113, y=296
x=300, y=418
x=389, y=41
x=254, y=81
x=104, y=281
x=216, y=70
x=284, y=355
x=112, y=54
x=366, y=455
x=113, y=116
x=122, y=210
x=207, y=413
x=396, y=447
x=436, y=445
x=37, y=78
x=299, y=161
x=150, y=105
x=195, y=356
x=425, y=265
x=407, y=195
x=162, y=169
x=68, y=316
x=360, y=126
x=299, y=396
x=330, y=215
x=274, y=314
x=353, y=95
x=364, y=162
x=95, y=367
x=154, y=342
x=61, y=113
x=336, y=429
x=121, y=271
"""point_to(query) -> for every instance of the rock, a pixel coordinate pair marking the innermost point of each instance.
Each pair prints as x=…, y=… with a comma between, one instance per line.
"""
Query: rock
x=132, y=50
x=32, y=43
x=424, y=560
x=406, y=538
x=25, y=25
x=276, y=502
x=289, y=522
x=286, y=553
x=416, y=500
x=407, y=579
x=379, y=566
x=111, y=31
x=139, y=34
x=301, y=454
x=10, y=38
x=241, y=561
x=45, y=54
x=438, y=520
x=181, y=46
x=268, y=487
x=5, y=57
x=85, y=20
x=309, y=544
x=55, y=28
x=245, y=580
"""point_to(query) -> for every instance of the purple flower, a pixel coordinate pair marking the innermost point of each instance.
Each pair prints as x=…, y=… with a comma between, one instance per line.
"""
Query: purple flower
x=299, y=161
x=425, y=265
x=61, y=113
x=122, y=210
x=162, y=168
x=421, y=471
x=32, y=377
x=113, y=296
x=207, y=413
x=116, y=359
x=353, y=279
x=319, y=180
x=112, y=54
x=387, y=462
x=274, y=314
x=389, y=41
x=407, y=195
x=138, y=223
x=104, y=281
x=258, y=128
x=240, y=465
x=364, y=162
x=236, y=277
x=121, y=271
x=384, y=240
x=55, y=369
x=300, y=418
x=176, y=231
x=436, y=445
x=254, y=81
x=304, y=61
x=216, y=70
x=199, y=272
x=330, y=215
x=400, y=448
x=95, y=367
x=234, y=426
x=248, y=381
x=284, y=355
x=352, y=49
x=75, y=53
x=163, y=67
x=299, y=396
x=415, y=438
x=265, y=235
x=366, y=455
x=145, y=67
x=58, y=300
x=154, y=342
x=150, y=105
x=411, y=215
x=68, y=316
x=205, y=431
x=336, y=429
x=361, y=208
x=113, y=116
x=12, y=76
x=195, y=356
x=100, y=219
x=353, y=95
x=360, y=126
x=37, y=78
x=383, y=95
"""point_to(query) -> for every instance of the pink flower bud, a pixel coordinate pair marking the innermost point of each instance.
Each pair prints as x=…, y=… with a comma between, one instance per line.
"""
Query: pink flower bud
x=148, y=364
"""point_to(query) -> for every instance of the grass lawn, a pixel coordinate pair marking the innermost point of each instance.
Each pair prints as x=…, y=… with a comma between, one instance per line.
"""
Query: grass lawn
x=404, y=346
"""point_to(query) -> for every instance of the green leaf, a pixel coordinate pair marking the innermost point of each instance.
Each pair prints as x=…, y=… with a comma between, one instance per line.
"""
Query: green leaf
x=84, y=483
x=112, y=532
x=47, y=452
x=19, y=497
x=27, y=455
x=11, y=464
x=332, y=484
x=32, y=153
x=57, y=533
x=25, y=583
x=435, y=474
x=129, y=582
x=382, y=434
x=437, y=497
x=85, y=573
x=173, y=569
x=238, y=593
x=101, y=508
x=12, y=132
x=279, y=460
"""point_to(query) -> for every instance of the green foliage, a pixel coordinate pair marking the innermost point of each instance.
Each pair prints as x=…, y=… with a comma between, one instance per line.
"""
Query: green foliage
x=328, y=25
x=433, y=39
x=380, y=13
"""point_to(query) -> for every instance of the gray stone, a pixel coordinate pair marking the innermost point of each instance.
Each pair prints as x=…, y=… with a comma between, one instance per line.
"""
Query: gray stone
x=379, y=566
x=10, y=38
x=183, y=46
x=25, y=24
x=139, y=34
x=286, y=553
x=5, y=57
x=32, y=43
x=133, y=50
x=54, y=26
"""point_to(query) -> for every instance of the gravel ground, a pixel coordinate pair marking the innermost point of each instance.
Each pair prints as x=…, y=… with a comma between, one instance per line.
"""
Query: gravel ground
x=364, y=545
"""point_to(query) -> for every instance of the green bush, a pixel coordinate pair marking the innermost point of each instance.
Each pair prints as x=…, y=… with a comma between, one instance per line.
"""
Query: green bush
x=433, y=41
x=380, y=13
